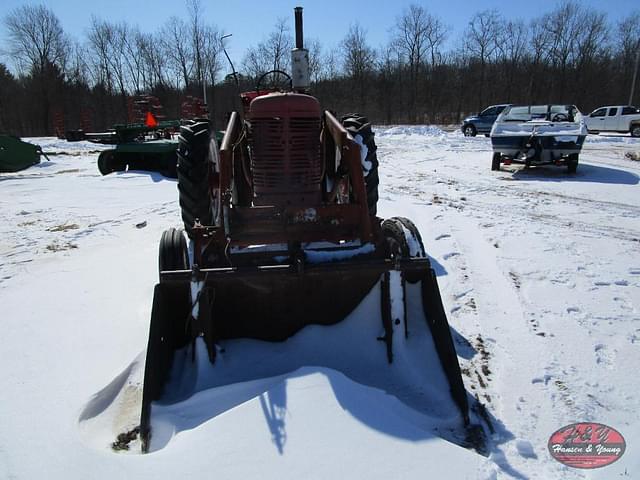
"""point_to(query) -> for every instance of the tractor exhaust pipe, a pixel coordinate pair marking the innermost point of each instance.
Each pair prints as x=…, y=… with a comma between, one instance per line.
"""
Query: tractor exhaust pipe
x=299, y=58
x=298, y=14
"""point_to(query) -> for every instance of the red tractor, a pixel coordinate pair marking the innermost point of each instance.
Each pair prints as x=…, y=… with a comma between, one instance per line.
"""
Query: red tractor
x=281, y=233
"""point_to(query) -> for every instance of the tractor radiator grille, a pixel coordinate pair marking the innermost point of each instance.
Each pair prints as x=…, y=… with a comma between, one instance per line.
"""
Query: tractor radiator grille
x=286, y=157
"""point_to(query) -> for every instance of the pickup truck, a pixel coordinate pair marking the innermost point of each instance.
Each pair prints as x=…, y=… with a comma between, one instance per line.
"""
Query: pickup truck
x=617, y=118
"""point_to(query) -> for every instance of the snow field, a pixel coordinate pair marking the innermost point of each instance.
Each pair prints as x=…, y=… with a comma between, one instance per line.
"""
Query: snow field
x=539, y=273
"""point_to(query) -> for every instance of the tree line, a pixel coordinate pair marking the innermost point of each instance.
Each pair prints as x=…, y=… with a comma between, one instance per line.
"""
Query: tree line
x=422, y=74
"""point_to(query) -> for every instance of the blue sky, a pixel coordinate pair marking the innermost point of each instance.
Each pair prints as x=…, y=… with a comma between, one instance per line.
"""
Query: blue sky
x=327, y=20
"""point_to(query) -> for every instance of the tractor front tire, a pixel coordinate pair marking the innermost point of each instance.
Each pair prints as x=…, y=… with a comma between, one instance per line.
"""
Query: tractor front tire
x=173, y=255
x=403, y=240
x=357, y=125
x=193, y=175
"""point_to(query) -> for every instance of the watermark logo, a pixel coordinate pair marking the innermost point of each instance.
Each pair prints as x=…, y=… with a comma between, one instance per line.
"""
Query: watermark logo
x=586, y=445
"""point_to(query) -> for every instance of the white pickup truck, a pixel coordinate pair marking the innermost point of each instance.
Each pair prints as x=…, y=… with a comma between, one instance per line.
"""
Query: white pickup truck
x=618, y=118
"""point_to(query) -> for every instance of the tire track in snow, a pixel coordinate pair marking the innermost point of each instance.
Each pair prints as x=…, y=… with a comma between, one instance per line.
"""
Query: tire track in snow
x=499, y=317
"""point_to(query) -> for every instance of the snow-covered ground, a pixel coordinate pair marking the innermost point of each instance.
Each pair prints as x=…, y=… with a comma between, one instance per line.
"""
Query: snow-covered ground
x=539, y=271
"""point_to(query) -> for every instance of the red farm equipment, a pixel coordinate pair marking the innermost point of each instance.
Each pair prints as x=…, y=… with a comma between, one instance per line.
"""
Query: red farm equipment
x=282, y=233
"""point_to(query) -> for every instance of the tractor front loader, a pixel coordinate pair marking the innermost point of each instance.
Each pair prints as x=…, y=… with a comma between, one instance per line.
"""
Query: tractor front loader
x=281, y=233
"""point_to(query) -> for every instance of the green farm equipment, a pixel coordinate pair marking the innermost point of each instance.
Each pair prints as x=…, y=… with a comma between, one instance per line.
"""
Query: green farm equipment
x=16, y=155
x=139, y=147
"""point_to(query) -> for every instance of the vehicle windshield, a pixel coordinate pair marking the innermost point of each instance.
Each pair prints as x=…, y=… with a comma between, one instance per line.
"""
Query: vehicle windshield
x=548, y=113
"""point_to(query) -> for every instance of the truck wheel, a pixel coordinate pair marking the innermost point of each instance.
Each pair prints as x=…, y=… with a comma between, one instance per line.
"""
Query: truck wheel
x=572, y=163
x=357, y=125
x=469, y=131
x=635, y=130
x=495, y=162
x=193, y=175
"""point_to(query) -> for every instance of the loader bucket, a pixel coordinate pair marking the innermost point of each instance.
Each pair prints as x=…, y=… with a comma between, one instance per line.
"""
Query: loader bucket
x=273, y=304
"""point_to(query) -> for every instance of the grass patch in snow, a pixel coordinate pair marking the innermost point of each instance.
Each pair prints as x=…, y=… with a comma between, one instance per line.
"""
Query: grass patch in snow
x=60, y=247
x=63, y=227
x=27, y=223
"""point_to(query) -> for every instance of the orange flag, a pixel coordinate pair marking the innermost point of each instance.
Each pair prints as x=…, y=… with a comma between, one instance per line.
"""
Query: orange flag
x=151, y=121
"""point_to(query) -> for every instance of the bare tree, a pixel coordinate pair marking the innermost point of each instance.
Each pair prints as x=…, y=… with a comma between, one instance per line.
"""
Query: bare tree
x=212, y=53
x=272, y=53
x=109, y=45
x=154, y=61
x=99, y=37
x=315, y=59
x=482, y=42
x=254, y=63
x=329, y=68
x=279, y=45
x=197, y=38
x=437, y=33
x=212, y=61
x=177, y=51
x=38, y=45
x=117, y=58
x=628, y=35
x=77, y=69
x=358, y=59
x=562, y=26
x=131, y=51
x=410, y=38
x=8, y=89
x=36, y=38
x=592, y=39
x=538, y=52
x=512, y=48
x=389, y=67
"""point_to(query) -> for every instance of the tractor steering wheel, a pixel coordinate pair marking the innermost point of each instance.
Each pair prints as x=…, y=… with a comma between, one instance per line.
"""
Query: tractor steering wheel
x=271, y=72
x=560, y=117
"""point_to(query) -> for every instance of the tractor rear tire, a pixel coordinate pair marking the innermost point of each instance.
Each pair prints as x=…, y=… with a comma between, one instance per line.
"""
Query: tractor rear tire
x=403, y=239
x=193, y=175
x=357, y=125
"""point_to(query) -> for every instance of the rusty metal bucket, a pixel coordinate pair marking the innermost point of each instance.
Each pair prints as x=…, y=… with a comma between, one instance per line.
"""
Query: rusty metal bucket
x=272, y=304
